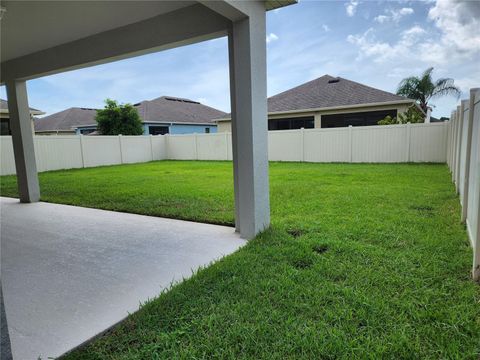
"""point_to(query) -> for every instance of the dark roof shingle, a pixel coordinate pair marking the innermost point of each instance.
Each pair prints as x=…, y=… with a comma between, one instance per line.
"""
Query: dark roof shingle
x=173, y=109
x=326, y=92
x=163, y=109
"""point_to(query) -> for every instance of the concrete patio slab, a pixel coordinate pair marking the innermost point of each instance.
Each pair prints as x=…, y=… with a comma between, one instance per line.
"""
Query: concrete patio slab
x=69, y=273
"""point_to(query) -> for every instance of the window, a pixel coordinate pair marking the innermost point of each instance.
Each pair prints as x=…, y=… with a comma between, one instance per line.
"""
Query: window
x=5, y=127
x=207, y=130
x=306, y=122
x=366, y=118
x=158, y=130
x=86, y=131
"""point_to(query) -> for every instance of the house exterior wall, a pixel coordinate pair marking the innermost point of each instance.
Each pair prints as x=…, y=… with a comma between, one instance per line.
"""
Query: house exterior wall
x=59, y=132
x=175, y=129
x=191, y=129
x=225, y=126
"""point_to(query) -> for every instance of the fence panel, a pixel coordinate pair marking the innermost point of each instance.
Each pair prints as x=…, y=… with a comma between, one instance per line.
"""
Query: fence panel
x=212, y=146
x=428, y=142
x=58, y=152
x=381, y=144
x=7, y=161
x=159, y=147
x=181, y=147
x=285, y=145
x=327, y=145
x=136, y=149
x=101, y=150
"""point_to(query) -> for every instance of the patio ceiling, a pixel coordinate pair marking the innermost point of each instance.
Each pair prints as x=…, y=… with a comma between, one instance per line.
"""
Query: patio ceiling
x=39, y=38
x=34, y=26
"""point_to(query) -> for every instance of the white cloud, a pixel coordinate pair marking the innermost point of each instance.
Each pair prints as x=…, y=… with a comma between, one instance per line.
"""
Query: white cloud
x=380, y=51
x=351, y=7
x=394, y=15
x=413, y=31
x=326, y=28
x=459, y=23
x=455, y=36
x=381, y=18
x=271, y=37
x=405, y=11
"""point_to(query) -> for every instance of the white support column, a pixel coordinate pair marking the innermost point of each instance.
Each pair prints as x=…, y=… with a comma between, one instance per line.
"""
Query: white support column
x=248, y=87
x=317, y=120
x=22, y=138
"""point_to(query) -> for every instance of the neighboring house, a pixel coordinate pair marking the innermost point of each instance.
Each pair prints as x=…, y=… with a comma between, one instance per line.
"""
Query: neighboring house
x=328, y=102
x=164, y=115
x=5, y=117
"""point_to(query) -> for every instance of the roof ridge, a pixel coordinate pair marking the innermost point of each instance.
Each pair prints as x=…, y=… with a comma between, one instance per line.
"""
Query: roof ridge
x=371, y=87
x=305, y=83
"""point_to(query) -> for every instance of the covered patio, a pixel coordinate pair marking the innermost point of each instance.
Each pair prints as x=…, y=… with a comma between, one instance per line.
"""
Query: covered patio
x=69, y=273
x=74, y=259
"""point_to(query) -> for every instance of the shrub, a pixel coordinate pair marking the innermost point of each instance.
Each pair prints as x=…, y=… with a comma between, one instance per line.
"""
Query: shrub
x=412, y=115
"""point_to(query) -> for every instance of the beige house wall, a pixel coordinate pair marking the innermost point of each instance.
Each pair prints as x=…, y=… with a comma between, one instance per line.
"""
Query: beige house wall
x=226, y=126
x=55, y=132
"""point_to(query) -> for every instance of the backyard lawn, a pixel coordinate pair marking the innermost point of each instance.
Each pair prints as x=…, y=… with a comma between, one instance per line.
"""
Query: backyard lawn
x=361, y=261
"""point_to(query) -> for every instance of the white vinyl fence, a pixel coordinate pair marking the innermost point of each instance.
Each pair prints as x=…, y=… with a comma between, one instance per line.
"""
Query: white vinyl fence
x=78, y=151
x=463, y=159
x=392, y=143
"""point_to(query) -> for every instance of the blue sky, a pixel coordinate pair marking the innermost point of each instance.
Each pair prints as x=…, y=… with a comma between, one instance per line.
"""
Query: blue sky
x=373, y=42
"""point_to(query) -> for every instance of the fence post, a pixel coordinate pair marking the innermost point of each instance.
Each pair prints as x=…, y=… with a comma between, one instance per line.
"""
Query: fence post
x=226, y=145
x=454, y=143
x=350, y=143
x=445, y=123
x=151, y=146
x=459, y=146
x=302, y=144
x=121, y=148
x=468, y=148
x=82, y=154
x=166, y=144
x=408, y=129
x=196, y=145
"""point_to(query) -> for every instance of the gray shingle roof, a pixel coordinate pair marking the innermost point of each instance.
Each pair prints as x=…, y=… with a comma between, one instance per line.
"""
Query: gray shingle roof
x=162, y=109
x=173, y=109
x=4, y=105
x=68, y=119
x=319, y=93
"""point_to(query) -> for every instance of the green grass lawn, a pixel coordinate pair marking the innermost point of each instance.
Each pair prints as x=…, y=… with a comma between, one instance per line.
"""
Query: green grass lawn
x=361, y=261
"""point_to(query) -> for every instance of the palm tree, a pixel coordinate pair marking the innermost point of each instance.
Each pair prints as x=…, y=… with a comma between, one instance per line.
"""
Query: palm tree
x=423, y=88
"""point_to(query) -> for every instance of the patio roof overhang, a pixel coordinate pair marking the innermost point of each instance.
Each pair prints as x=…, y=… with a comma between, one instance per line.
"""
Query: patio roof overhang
x=40, y=38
